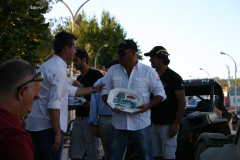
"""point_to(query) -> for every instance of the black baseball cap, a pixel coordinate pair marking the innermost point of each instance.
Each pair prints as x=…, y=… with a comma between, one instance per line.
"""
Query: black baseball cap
x=127, y=44
x=159, y=51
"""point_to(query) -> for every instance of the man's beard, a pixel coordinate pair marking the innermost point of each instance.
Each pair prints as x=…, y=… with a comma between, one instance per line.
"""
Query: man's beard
x=80, y=67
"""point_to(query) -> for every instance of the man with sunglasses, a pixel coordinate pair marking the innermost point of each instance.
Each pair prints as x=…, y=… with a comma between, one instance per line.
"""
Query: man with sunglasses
x=131, y=74
x=19, y=87
x=48, y=120
x=167, y=115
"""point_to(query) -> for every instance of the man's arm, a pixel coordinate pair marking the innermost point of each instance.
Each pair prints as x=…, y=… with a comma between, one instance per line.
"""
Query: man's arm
x=57, y=80
x=180, y=95
x=88, y=90
x=76, y=84
x=54, y=116
x=93, y=114
x=155, y=101
x=104, y=98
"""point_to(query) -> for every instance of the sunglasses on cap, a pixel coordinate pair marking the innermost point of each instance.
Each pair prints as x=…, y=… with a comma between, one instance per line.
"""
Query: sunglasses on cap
x=38, y=77
x=122, y=53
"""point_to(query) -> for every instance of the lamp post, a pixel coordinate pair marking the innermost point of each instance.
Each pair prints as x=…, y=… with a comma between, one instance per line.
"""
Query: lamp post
x=74, y=18
x=205, y=71
x=222, y=53
x=105, y=45
x=237, y=66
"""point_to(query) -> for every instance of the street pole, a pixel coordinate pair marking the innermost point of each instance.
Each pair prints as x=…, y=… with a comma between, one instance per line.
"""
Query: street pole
x=205, y=71
x=235, y=80
x=105, y=45
x=74, y=18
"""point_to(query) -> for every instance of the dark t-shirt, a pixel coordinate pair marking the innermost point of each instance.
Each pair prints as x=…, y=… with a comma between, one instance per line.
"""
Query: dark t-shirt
x=165, y=112
x=87, y=81
x=234, y=120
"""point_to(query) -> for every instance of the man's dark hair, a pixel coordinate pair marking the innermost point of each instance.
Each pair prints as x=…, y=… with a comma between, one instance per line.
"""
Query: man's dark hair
x=14, y=73
x=166, y=61
x=63, y=39
x=82, y=54
x=113, y=62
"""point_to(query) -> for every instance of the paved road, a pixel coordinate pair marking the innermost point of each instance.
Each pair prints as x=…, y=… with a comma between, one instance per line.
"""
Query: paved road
x=65, y=152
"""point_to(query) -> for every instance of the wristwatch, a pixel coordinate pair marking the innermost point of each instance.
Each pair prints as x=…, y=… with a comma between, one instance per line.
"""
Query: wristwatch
x=93, y=90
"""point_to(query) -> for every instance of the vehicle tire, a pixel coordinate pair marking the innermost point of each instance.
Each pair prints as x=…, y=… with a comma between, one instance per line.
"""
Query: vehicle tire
x=202, y=146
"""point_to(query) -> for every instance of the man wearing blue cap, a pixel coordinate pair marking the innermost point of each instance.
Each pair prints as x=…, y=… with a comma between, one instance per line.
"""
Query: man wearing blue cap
x=167, y=115
x=131, y=74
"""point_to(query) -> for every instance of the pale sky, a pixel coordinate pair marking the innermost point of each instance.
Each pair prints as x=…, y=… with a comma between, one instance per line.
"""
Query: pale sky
x=194, y=32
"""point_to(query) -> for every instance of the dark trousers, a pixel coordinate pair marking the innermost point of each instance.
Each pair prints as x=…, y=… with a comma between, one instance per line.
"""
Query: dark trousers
x=42, y=142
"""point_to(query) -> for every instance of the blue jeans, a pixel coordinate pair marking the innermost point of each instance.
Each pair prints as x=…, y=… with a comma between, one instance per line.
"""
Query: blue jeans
x=142, y=140
x=42, y=142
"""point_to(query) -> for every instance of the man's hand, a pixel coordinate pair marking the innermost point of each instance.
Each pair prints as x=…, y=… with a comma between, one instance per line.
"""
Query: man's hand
x=173, y=130
x=116, y=110
x=86, y=105
x=76, y=84
x=95, y=131
x=57, y=143
x=108, y=105
x=143, y=108
x=99, y=87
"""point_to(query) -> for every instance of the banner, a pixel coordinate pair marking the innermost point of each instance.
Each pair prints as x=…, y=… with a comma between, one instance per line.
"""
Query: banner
x=232, y=99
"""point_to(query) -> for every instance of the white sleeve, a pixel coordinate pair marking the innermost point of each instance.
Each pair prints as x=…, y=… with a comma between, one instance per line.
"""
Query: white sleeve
x=108, y=82
x=57, y=81
x=156, y=85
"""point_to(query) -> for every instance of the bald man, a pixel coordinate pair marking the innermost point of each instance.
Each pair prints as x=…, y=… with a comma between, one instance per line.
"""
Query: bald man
x=19, y=87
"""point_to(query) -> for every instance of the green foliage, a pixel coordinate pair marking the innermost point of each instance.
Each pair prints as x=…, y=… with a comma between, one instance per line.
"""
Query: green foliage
x=92, y=35
x=23, y=29
x=46, y=47
x=224, y=82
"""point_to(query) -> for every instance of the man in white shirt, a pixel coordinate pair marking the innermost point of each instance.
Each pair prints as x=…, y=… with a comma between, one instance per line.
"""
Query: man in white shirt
x=131, y=74
x=48, y=119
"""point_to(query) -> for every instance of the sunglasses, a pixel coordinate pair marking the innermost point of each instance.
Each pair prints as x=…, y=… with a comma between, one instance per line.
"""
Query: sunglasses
x=38, y=77
x=122, y=53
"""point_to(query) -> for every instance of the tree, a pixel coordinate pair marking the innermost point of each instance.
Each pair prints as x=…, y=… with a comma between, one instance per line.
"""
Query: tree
x=45, y=47
x=23, y=29
x=224, y=82
x=92, y=35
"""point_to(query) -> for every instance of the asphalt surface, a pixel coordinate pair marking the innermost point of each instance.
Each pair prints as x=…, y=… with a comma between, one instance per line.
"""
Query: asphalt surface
x=65, y=151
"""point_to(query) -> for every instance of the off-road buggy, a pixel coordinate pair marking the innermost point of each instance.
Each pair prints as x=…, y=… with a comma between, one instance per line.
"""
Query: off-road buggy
x=204, y=123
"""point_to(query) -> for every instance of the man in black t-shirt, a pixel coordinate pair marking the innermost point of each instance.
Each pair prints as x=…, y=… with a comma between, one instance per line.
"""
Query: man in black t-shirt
x=235, y=121
x=166, y=116
x=82, y=138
